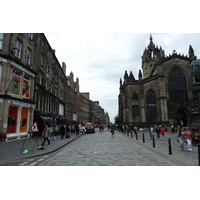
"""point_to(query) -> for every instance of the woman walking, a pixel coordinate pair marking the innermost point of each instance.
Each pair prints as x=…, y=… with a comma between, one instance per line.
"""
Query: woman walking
x=188, y=138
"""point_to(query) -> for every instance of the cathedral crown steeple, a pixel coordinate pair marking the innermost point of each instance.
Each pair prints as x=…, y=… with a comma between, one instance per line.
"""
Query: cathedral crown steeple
x=151, y=55
x=151, y=38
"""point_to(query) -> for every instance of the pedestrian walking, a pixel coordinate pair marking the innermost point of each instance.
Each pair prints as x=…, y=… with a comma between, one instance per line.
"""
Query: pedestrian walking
x=151, y=131
x=135, y=129
x=73, y=129
x=188, y=138
x=112, y=131
x=180, y=136
x=162, y=132
x=67, y=130
x=83, y=129
x=127, y=129
x=62, y=131
x=51, y=132
x=172, y=128
x=158, y=132
x=46, y=134
x=77, y=129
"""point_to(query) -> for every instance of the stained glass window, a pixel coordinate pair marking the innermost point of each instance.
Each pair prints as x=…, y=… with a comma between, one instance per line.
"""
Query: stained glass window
x=177, y=85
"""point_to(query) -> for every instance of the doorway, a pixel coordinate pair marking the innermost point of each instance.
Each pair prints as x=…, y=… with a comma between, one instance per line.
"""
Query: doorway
x=181, y=115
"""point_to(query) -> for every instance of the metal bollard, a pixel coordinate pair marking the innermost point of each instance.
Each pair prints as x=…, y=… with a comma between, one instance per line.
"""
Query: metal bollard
x=136, y=136
x=199, y=152
x=143, y=138
x=170, y=147
x=154, y=142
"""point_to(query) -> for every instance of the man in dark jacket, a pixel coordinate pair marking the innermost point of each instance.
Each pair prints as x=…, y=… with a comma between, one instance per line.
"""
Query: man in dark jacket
x=62, y=131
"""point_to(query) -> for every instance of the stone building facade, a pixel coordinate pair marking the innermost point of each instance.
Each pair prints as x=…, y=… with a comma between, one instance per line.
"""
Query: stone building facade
x=162, y=92
x=34, y=87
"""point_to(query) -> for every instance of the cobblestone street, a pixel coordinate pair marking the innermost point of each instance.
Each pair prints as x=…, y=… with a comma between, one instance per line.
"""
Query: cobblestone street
x=100, y=149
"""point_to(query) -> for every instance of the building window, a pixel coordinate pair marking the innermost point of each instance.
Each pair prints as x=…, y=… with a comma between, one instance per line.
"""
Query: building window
x=28, y=56
x=177, y=85
x=48, y=67
x=26, y=87
x=14, y=87
x=30, y=35
x=61, y=109
x=1, y=40
x=0, y=72
x=151, y=102
x=41, y=60
x=68, y=82
x=42, y=43
x=40, y=78
x=51, y=87
x=20, y=85
x=39, y=100
x=18, y=48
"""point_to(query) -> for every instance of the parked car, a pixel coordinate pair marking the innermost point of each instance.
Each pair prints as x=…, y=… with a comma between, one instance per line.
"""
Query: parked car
x=89, y=128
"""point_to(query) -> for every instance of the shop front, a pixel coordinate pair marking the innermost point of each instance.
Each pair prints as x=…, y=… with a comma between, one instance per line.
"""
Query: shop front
x=19, y=120
x=43, y=118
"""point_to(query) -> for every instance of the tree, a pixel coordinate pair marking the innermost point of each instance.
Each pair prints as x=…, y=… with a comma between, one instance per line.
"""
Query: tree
x=116, y=119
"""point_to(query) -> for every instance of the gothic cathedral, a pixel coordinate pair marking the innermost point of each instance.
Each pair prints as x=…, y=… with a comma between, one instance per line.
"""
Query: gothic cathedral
x=162, y=93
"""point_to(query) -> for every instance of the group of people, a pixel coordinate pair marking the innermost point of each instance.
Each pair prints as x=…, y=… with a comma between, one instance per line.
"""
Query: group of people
x=159, y=129
x=127, y=128
x=183, y=134
x=63, y=130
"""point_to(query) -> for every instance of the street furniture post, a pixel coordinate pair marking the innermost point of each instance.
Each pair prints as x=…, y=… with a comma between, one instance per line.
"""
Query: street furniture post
x=199, y=152
x=143, y=138
x=154, y=142
x=170, y=147
x=136, y=136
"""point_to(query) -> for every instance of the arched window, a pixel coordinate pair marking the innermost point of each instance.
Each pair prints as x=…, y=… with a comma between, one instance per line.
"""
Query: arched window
x=177, y=85
x=151, y=102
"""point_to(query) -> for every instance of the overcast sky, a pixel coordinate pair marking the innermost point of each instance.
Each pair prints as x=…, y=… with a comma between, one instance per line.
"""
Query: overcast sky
x=99, y=40
x=99, y=60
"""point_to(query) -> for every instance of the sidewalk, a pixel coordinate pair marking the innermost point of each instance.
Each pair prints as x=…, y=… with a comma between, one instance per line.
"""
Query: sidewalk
x=10, y=151
x=178, y=157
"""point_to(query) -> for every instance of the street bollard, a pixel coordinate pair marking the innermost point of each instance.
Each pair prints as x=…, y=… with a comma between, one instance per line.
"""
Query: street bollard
x=131, y=133
x=170, y=147
x=136, y=136
x=154, y=142
x=199, y=152
x=143, y=138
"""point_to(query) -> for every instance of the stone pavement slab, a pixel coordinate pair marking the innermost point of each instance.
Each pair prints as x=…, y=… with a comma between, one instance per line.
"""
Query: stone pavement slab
x=100, y=149
x=181, y=158
x=12, y=150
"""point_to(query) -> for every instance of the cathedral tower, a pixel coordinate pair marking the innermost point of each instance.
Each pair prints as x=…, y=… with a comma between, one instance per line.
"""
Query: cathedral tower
x=150, y=56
